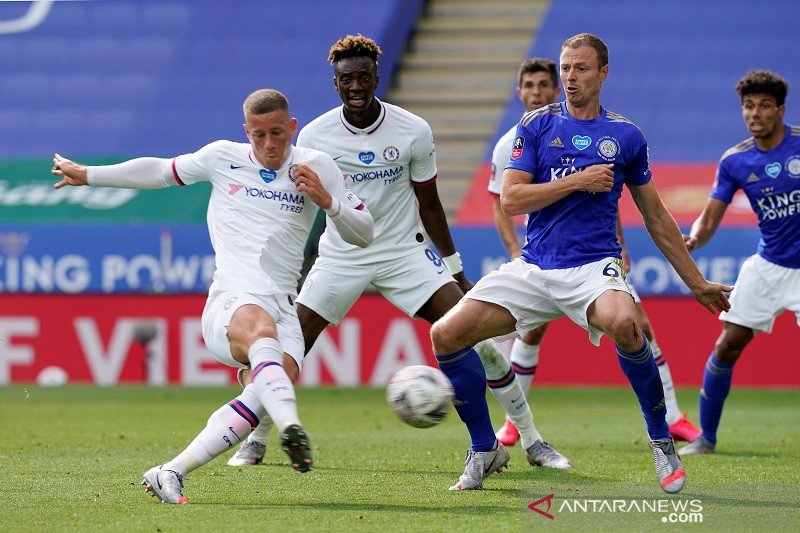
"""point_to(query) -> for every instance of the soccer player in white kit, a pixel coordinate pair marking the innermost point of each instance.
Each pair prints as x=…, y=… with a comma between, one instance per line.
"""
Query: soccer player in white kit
x=387, y=157
x=538, y=86
x=265, y=196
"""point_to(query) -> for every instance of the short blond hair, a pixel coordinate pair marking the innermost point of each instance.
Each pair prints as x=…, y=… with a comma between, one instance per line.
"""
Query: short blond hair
x=589, y=39
x=264, y=101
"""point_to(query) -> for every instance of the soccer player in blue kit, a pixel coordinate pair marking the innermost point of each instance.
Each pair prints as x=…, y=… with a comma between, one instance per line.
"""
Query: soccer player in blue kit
x=568, y=164
x=767, y=167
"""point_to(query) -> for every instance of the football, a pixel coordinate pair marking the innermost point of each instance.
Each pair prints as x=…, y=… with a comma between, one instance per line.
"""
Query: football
x=420, y=395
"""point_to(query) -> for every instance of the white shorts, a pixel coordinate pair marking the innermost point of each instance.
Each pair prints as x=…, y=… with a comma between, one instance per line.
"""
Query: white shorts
x=333, y=286
x=762, y=291
x=219, y=309
x=535, y=296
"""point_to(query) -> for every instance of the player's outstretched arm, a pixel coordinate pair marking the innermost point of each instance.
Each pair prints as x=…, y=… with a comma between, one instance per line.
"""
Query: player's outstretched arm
x=706, y=224
x=667, y=236
x=434, y=220
x=140, y=173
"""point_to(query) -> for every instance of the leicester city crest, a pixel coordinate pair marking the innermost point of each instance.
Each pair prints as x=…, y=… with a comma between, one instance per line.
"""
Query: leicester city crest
x=607, y=148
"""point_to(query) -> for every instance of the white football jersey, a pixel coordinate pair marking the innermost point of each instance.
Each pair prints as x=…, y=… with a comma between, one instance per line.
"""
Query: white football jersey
x=381, y=164
x=254, y=209
x=500, y=156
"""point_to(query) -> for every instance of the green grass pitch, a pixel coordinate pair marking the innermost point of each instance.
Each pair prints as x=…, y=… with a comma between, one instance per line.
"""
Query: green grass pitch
x=71, y=459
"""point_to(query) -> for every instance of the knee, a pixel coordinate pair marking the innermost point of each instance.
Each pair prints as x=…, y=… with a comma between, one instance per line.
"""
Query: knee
x=625, y=331
x=728, y=350
x=246, y=334
x=443, y=339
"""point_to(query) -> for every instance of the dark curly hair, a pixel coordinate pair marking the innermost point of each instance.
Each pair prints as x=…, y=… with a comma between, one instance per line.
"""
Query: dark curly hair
x=354, y=46
x=763, y=81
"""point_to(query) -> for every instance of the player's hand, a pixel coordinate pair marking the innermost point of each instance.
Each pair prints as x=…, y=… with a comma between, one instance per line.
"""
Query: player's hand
x=71, y=172
x=596, y=178
x=463, y=282
x=307, y=182
x=690, y=242
x=712, y=296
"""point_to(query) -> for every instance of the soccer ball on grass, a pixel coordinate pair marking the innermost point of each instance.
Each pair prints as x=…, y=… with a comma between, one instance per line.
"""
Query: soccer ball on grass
x=420, y=395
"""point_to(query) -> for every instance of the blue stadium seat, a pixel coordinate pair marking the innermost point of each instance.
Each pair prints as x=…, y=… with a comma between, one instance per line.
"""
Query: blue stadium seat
x=132, y=77
x=674, y=65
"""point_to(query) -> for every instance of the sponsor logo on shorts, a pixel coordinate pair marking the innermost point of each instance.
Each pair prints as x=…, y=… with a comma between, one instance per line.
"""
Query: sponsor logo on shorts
x=230, y=302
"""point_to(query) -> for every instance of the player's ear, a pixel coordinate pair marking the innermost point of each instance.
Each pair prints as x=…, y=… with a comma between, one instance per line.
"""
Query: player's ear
x=293, y=123
x=246, y=130
x=604, y=72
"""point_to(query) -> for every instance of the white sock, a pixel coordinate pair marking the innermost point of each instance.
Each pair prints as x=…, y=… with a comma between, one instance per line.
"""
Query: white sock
x=507, y=390
x=524, y=360
x=261, y=433
x=673, y=411
x=272, y=384
x=225, y=428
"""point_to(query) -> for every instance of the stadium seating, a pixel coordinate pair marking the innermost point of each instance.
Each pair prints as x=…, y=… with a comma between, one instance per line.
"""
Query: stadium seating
x=161, y=77
x=674, y=65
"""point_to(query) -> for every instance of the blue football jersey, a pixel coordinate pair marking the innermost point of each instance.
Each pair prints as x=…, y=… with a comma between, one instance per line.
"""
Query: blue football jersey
x=771, y=181
x=581, y=227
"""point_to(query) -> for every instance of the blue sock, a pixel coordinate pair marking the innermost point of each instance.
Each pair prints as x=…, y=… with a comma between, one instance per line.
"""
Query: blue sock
x=465, y=371
x=642, y=373
x=716, y=385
